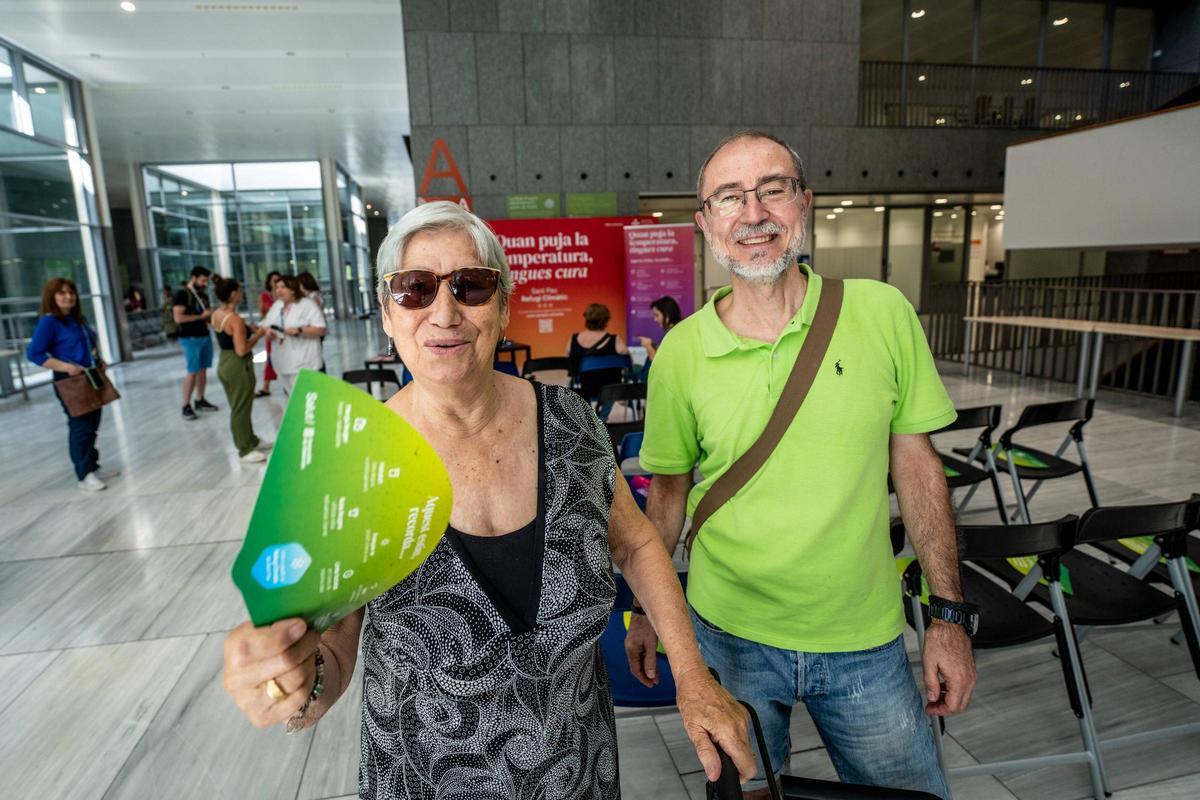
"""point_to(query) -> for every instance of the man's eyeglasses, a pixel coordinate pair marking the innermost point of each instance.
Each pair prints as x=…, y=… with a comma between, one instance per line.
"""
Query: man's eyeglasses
x=417, y=288
x=773, y=192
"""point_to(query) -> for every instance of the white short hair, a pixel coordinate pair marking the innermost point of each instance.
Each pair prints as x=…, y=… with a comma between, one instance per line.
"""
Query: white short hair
x=441, y=216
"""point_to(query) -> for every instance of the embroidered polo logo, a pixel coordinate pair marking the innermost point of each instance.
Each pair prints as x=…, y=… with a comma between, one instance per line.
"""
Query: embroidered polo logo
x=837, y=367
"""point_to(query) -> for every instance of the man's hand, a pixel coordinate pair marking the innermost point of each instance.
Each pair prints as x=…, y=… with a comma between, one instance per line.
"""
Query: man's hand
x=948, y=660
x=641, y=647
x=711, y=717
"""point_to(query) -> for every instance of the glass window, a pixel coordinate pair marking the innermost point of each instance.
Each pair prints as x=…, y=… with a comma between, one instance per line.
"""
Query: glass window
x=40, y=185
x=49, y=105
x=940, y=31
x=1008, y=32
x=848, y=242
x=1133, y=36
x=6, y=85
x=881, y=32
x=1075, y=35
x=29, y=258
x=946, y=244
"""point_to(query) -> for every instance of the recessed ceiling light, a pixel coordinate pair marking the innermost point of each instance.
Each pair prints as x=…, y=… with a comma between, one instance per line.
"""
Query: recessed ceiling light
x=838, y=210
x=306, y=208
x=369, y=206
x=972, y=213
x=1027, y=81
x=995, y=208
x=1058, y=23
x=376, y=212
x=128, y=6
x=1057, y=117
x=40, y=90
x=954, y=216
x=940, y=121
x=879, y=208
x=183, y=192
x=938, y=213
x=921, y=78
x=847, y=202
x=656, y=214
x=940, y=200
x=1125, y=84
x=831, y=216
x=920, y=12
x=1078, y=117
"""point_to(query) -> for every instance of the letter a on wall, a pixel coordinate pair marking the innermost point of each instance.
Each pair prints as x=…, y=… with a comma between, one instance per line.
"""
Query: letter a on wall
x=434, y=170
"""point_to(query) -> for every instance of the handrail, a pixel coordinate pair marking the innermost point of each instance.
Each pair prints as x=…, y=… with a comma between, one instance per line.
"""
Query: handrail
x=910, y=94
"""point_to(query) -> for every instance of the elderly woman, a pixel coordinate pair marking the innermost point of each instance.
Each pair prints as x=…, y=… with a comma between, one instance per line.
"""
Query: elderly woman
x=483, y=675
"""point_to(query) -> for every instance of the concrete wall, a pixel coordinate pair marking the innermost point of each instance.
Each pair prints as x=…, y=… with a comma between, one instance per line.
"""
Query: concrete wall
x=630, y=96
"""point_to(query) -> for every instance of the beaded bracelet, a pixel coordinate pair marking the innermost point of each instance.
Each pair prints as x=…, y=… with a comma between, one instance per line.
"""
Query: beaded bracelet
x=296, y=723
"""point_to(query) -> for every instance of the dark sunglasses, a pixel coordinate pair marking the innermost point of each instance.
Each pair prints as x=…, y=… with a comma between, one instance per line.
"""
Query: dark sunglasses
x=417, y=288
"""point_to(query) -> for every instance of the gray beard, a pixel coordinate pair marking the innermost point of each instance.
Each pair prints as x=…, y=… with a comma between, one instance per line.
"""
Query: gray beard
x=759, y=275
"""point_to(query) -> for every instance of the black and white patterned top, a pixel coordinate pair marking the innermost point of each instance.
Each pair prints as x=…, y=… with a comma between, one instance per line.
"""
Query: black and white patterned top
x=464, y=701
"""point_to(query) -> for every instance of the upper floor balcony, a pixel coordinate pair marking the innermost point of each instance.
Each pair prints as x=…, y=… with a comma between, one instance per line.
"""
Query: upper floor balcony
x=921, y=95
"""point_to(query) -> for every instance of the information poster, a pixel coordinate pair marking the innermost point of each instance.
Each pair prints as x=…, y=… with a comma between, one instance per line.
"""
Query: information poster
x=352, y=502
x=660, y=260
x=526, y=206
x=559, y=266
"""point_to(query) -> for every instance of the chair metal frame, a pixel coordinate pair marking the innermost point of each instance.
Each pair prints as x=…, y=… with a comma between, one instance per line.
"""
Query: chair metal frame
x=1047, y=540
x=1080, y=410
x=987, y=417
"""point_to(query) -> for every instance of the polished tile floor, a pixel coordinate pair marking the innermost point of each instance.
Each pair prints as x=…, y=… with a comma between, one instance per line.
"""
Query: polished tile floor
x=113, y=608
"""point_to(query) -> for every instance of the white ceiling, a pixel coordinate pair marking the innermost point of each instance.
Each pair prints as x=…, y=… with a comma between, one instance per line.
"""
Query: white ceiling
x=181, y=81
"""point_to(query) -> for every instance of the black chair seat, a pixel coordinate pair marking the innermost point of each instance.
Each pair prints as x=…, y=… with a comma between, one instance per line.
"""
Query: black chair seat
x=1005, y=621
x=968, y=474
x=1159, y=573
x=1102, y=594
x=1055, y=467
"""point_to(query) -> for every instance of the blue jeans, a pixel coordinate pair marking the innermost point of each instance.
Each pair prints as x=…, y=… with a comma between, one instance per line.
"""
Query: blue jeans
x=865, y=705
x=81, y=437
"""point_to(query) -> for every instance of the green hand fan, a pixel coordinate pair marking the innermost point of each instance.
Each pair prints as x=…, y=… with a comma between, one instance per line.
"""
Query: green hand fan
x=352, y=502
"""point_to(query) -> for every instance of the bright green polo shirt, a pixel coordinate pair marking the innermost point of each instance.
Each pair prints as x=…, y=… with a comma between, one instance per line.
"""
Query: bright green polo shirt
x=800, y=558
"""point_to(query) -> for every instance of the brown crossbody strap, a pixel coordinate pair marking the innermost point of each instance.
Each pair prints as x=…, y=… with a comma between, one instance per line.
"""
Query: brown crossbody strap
x=812, y=353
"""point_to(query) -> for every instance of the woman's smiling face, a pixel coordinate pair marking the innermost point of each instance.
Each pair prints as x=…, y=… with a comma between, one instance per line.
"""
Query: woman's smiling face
x=447, y=342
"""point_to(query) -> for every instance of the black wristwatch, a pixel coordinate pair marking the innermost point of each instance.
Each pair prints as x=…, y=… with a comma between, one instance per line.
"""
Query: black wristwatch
x=965, y=614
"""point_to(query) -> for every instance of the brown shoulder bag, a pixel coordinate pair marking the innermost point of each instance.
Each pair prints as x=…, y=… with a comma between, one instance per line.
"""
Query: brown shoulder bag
x=812, y=353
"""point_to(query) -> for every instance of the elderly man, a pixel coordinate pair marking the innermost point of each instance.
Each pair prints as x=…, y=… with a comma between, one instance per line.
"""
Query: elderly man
x=793, y=591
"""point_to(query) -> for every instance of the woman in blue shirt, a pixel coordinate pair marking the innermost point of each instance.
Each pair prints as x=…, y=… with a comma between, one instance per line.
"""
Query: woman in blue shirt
x=63, y=342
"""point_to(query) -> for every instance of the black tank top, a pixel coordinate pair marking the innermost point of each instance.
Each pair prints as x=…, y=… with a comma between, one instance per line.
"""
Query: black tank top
x=225, y=340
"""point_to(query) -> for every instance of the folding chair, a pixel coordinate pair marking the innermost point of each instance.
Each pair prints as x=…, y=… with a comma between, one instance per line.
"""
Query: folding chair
x=370, y=377
x=960, y=473
x=632, y=393
x=1006, y=621
x=1024, y=462
x=790, y=787
x=533, y=366
x=597, y=371
x=1166, y=559
x=1102, y=595
x=618, y=430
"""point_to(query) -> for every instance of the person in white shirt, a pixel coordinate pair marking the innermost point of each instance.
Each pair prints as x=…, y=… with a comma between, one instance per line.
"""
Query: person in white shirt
x=297, y=325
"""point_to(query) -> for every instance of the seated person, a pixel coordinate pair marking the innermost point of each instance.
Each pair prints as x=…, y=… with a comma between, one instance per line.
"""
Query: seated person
x=595, y=340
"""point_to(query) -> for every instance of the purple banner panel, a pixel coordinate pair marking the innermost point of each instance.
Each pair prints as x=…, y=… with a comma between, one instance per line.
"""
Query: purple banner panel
x=660, y=260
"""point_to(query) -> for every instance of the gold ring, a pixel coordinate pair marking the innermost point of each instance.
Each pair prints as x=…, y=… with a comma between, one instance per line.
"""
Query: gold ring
x=274, y=690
